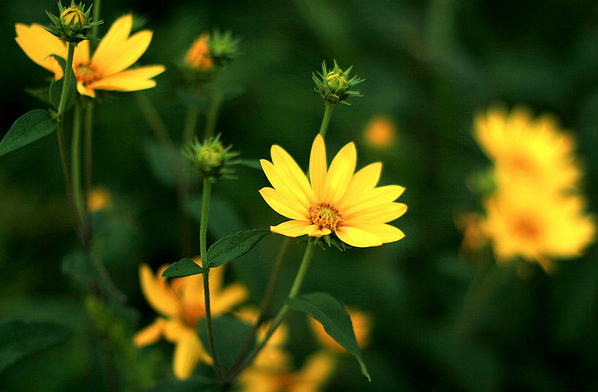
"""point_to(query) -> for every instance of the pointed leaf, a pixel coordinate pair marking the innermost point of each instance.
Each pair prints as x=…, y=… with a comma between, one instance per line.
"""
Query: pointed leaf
x=235, y=245
x=334, y=318
x=184, y=267
x=19, y=339
x=229, y=336
x=28, y=128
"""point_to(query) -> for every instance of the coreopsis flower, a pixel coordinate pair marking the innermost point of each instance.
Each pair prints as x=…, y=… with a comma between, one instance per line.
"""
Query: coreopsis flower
x=335, y=200
x=198, y=55
x=523, y=221
x=521, y=146
x=362, y=325
x=311, y=378
x=107, y=69
x=181, y=306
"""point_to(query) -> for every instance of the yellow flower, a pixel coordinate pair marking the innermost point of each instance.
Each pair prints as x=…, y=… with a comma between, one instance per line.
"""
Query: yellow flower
x=380, y=132
x=198, y=55
x=311, y=378
x=99, y=199
x=524, y=221
x=362, y=325
x=334, y=200
x=535, y=149
x=180, y=304
x=107, y=68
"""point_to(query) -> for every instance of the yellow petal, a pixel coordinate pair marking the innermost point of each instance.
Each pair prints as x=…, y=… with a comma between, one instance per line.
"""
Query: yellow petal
x=358, y=238
x=284, y=205
x=38, y=44
x=227, y=299
x=317, y=167
x=382, y=213
x=339, y=174
x=317, y=369
x=363, y=181
x=81, y=54
x=187, y=353
x=386, y=233
x=128, y=53
x=294, y=178
x=108, y=48
x=130, y=80
x=370, y=198
x=281, y=184
x=157, y=293
x=150, y=334
x=292, y=228
x=83, y=90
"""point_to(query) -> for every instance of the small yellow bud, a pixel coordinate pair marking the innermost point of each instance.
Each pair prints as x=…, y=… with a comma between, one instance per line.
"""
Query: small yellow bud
x=198, y=55
x=73, y=18
x=337, y=81
x=210, y=156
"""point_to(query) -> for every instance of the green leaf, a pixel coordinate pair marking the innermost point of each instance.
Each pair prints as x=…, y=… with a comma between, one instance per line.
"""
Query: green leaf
x=183, y=267
x=192, y=384
x=252, y=163
x=334, y=318
x=235, y=245
x=56, y=87
x=28, y=128
x=229, y=336
x=19, y=339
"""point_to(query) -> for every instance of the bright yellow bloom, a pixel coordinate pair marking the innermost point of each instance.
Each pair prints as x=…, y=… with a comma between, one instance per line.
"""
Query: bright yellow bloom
x=311, y=378
x=180, y=304
x=523, y=221
x=535, y=149
x=380, y=132
x=107, y=68
x=362, y=325
x=334, y=200
x=198, y=55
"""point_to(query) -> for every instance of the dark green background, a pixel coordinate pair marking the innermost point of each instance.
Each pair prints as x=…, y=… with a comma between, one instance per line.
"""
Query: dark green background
x=431, y=66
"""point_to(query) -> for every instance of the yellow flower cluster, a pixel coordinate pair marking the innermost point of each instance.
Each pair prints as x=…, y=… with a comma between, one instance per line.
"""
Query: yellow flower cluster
x=536, y=211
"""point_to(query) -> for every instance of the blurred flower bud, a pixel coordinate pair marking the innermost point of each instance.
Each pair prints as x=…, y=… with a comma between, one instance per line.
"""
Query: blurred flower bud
x=211, y=159
x=223, y=47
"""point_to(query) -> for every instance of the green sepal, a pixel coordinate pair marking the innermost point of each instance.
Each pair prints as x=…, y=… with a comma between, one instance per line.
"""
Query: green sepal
x=181, y=268
x=235, y=245
x=28, y=128
x=334, y=318
x=56, y=86
x=19, y=339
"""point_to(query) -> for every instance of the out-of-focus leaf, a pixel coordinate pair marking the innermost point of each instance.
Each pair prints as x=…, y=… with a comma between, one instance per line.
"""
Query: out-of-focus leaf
x=334, y=318
x=229, y=336
x=235, y=245
x=28, y=128
x=167, y=164
x=184, y=267
x=19, y=339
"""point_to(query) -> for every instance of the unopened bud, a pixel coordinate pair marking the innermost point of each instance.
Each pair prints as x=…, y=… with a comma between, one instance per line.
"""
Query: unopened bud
x=74, y=18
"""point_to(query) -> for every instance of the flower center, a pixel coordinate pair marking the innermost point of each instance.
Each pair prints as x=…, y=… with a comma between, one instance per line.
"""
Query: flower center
x=86, y=73
x=521, y=164
x=526, y=228
x=324, y=215
x=192, y=313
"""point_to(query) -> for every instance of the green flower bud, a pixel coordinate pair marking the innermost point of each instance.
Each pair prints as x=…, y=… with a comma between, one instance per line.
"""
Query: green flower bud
x=73, y=23
x=334, y=85
x=211, y=159
x=223, y=47
x=73, y=18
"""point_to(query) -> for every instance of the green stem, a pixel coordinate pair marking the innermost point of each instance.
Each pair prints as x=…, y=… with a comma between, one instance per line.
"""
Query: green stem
x=78, y=192
x=88, y=159
x=326, y=119
x=67, y=80
x=280, y=316
x=95, y=18
x=203, y=230
x=214, y=106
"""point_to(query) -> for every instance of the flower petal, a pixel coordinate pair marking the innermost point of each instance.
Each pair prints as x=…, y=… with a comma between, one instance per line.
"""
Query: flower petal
x=284, y=205
x=369, y=199
x=339, y=174
x=128, y=52
x=386, y=233
x=380, y=213
x=358, y=238
x=228, y=298
x=318, y=167
x=156, y=292
x=38, y=44
x=187, y=353
x=150, y=334
x=282, y=183
x=292, y=228
x=130, y=80
x=108, y=48
x=362, y=181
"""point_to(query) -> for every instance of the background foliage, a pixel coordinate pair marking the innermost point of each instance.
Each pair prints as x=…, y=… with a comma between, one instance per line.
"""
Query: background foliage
x=428, y=65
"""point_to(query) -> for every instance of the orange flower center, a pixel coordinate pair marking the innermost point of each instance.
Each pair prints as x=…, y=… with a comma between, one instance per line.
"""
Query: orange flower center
x=526, y=228
x=192, y=313
x=324, y=215
x=521, y=164
x=87, y=73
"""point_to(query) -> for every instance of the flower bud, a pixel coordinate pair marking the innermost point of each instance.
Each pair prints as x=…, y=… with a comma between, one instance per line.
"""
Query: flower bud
x=73, y=24
x=73, y=18
x=211, y=159
x=198, y=55
x=334, y=85
x=223, y=47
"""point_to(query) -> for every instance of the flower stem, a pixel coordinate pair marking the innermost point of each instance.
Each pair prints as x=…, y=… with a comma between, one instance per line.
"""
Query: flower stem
x=203, y=229
x=78, y=192
x=326, y=119
x=280, y=316
x=215, y=103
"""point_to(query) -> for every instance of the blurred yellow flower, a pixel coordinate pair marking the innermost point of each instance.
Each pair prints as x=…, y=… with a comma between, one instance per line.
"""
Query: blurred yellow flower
x=524, y=221
x=198, y=55
x=380, y=132
x=334, y=200
x=362, y=325
x=535, y=149
x=180, y=304
x=98, y=199
x=107, y=68
x=311, y=378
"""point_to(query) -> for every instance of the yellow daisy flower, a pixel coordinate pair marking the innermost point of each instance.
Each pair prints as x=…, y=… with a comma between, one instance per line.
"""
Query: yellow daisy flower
x=107, y=68
x=180, y=303
x=540, y=227
x=334, y=200
x=521, y=146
